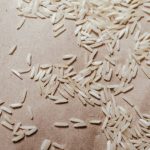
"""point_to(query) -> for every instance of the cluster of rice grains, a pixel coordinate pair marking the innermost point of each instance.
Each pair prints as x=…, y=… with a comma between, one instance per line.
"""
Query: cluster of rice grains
x=19, y=131
x=122, y=132
x=60, y=82
x=99, y=24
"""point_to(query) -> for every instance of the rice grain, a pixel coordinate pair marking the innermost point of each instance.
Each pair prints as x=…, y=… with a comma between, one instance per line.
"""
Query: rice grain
x=12, y=50
x=45, y=144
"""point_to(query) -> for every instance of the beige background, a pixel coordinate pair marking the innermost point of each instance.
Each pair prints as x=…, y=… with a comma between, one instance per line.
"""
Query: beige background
x=37, y=38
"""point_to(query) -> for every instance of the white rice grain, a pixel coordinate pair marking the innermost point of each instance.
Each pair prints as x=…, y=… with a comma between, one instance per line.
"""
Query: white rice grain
x=61, y=101
x=24, y=96
x=61, y=124
x=58, y=146
x=58, y=26
x=144, y=123
x=15, y=72
x=63, y=93
x=8, y=119
x=16, y=127
x=95, y=122
x=109, y=147
x=45, y=144
x=128, y=88
x=30, y=112
x=109, y=59
x=146, y=116
x=23, y=71
x=7, y=125
x=46, y=66
x=76, y=120
x=16, y=105
x=105, y=123
x=80, y=125
x=29, y=59
x=21, y=23
x=12, y=50
x=18, y=138
x=71, y=61
x=6, y=109
x=68, y=56
x=32, y=73
x=31, y=131
x=87, y=48
x=60, y=31
x=95, y=94
x=82, y=99
x=53, y=97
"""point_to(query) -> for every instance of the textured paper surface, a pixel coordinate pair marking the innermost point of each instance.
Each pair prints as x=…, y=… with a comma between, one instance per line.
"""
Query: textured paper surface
x=36, y=37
